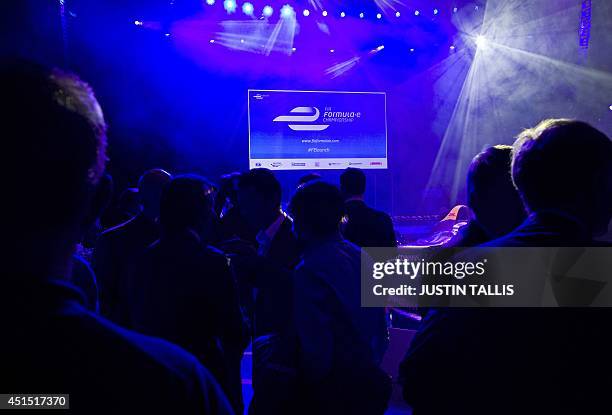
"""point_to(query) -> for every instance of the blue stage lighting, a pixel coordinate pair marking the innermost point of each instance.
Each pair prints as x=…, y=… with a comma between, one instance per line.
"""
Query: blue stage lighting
x=137, y=22
x=342, y=14
x=397, y=14
x=267, y=11
x=361, y=15
x=435, y=11
x=229, y=6
x=381, y=47
x=210, y=2
x=324, y=13
x=306, y=12
x=416, y=12
x=247, y=8
x=287, y=11
x=378, y=15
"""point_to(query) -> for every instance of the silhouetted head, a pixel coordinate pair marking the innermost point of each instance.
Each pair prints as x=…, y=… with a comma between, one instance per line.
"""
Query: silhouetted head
x=259, y=198
x=129, y=202
x=187, y=205
x=317, y=209
x=150, y=186
x=491, y=194
x=565, y=166
x=352, y=183
x=310, y=177
x=54, y=146
x=228, y=190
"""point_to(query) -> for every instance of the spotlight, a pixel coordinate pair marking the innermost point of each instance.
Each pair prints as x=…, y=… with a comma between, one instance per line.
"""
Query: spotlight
x=267, y=11
x=455, y=10
x=610, y=107
x=361, y=15
x=287, y=11
x=452, y=47
x=342, y=14
x=241, y=40
x=247, y=8
x=293, y=49
x=416, y=12
x=411, y=50
x=167, y=34
x=397, y=14
x=481, y=41
x=381, y=47
x=331, y=51
x=378, y=15
x=137, y=22
x=210, y=2
x=435, y=11
x=229, y=6
x=324, y=13
x=212, y=40
x=306, y=12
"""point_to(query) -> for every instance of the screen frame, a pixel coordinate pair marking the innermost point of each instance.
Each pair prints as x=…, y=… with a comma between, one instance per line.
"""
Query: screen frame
x=317, y=163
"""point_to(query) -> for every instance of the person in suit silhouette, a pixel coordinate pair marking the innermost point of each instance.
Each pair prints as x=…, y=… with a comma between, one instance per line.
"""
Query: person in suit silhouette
x=118, y=247
x=363, y=225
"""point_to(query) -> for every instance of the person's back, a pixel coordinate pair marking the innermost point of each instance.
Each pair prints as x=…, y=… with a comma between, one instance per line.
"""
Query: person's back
x=563, y=171
x=57, y=141
x=340, y=343
x=529, y=358
x=492, y=197
x=117, y=247
x=367, y=227
x=333, y=267
x=183, y=291
x=363, y=225
x=268, y=273
x=58, y=346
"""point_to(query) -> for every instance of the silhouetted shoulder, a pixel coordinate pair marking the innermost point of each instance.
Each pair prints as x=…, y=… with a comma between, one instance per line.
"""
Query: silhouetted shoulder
x=60, y=346
x=153, y=368
x=382, y=216
x=116, y=230
x=329, y=252
x=214, y=252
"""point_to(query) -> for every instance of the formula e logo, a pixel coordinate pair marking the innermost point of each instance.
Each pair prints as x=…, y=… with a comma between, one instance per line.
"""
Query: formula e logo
x=314, y=115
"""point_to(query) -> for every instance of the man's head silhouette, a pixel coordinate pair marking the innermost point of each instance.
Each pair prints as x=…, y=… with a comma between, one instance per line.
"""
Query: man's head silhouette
x=565, y=167
x=54, y=138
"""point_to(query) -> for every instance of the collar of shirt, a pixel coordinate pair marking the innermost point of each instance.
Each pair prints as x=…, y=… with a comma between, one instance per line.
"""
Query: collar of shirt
x=264, y=238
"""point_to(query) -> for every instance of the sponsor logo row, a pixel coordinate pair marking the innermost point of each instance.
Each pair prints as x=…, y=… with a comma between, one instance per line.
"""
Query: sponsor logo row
x=318, y=163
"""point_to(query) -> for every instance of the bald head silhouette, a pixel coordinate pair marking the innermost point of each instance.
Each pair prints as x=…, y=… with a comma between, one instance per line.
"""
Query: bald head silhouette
x=150, y=186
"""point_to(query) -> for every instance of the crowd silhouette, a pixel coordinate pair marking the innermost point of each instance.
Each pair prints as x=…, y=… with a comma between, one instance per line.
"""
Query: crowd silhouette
x=193, y=273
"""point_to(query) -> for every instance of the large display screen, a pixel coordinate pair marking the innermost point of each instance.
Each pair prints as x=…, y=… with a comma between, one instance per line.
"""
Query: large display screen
x=309, y=130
